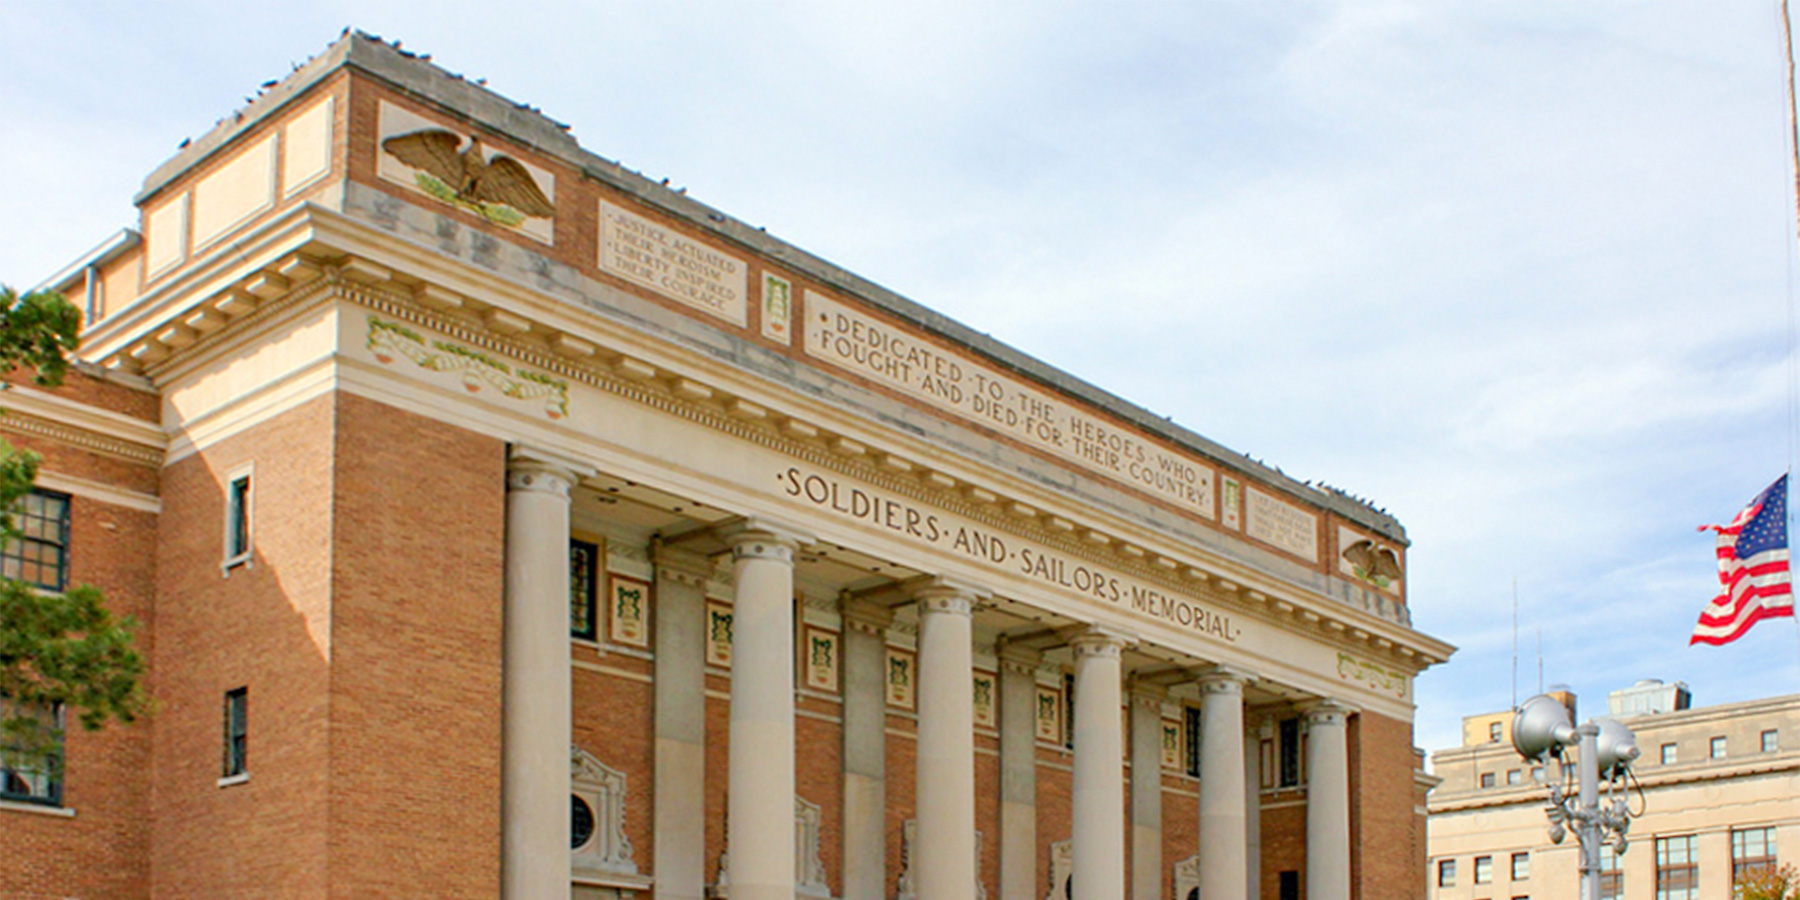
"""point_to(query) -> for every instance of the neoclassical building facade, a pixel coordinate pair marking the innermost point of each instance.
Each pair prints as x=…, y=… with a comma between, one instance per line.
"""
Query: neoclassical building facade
x=505, y=524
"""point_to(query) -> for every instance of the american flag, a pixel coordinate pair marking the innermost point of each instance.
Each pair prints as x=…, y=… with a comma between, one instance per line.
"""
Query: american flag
x=1754, y=583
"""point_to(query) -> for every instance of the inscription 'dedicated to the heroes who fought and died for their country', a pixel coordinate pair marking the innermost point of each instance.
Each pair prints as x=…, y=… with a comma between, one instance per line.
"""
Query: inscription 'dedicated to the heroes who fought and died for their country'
x=844, y=337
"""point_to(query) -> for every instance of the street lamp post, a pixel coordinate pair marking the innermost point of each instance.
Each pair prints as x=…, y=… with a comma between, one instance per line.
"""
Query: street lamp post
x=1605, y=750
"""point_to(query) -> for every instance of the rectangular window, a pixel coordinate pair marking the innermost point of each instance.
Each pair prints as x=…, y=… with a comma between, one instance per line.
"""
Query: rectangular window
x=1484, y=869
x=1752, y=852
x=1290, y=752
x=1493, y=732
x=1069, y=711
x=1718, y=748
x=1487, y=779
x=237, y=733
x=1612, y=880
x=31, y=764
x=1668, y=754
x=240, y=505
x=1521, y=866
x=1514, y=776
x=1677, y=873
x=1771, y=741
x=40, y=555
x=1446, y=873
x=1289, y=881
x=583, y=564
x=1190, y=723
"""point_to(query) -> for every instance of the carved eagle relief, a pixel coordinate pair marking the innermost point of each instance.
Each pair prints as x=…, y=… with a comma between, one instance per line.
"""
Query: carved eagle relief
x=469, y=173
x=1373, y=563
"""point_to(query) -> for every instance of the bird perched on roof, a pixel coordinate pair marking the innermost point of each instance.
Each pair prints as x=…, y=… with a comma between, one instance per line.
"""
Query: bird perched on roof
x=469, y=172
x=1373, y=562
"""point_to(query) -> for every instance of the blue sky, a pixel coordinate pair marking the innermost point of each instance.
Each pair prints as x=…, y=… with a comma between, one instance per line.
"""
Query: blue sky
x=1521, y=272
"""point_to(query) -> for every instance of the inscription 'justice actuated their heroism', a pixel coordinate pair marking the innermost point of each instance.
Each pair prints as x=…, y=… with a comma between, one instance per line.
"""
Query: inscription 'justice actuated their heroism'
x=844, y=337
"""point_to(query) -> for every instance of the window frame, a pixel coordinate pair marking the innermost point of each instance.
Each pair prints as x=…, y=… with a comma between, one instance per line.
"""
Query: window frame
x=1612, y=877
x=240, y=519
x=1742, y=863
x=234, y=758
x=1483, y=870
x=1521, y=862
x=1771, y=741
x=1487, y=780
x=1190, y=735
x=14, y=551
x=1717, y=747
x=1446, y=873
x=51, y=773
x=1669, y=755
x=592, y=600
x=1666, y=869
x=1290, y=767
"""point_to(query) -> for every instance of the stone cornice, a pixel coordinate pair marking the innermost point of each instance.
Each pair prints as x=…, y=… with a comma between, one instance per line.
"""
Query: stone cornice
x=541, y=331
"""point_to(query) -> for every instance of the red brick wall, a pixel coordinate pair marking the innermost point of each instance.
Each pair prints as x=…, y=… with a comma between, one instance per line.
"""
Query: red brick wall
x=613, y=719
x=102, y=852
x=1387, y=862
x=266, y=626
x=418, y=555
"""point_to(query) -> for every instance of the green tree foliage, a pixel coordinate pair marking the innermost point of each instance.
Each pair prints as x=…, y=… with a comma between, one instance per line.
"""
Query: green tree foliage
x=1769, y=884
x=55, y=649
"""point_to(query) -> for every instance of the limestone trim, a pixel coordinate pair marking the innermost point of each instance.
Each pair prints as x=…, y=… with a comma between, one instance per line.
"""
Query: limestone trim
x=868, y=618
x=810, y=445
x=604, y=788
x=18, y=421
x=94, y=490
x=1220, y=584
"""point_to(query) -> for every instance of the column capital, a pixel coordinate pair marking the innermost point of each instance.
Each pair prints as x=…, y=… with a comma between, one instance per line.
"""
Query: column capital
x=680, y=566
x=947, y=595
x=1147, y=694
x=531, y=469
x=1017, y=657
x=861, y=615
x=762, y=539
x=1224, y=680
x=1327, y=711
x=1098, y=640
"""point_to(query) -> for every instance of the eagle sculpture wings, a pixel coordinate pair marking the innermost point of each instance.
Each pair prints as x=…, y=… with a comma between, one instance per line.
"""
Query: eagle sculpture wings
x=468, y=171
x=1373, y=561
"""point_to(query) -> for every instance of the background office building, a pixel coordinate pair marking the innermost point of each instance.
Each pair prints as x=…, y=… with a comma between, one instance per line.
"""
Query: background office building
x=1720, y=796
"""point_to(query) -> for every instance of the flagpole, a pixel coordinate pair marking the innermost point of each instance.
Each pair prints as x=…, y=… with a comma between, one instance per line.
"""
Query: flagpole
x=1793, y=333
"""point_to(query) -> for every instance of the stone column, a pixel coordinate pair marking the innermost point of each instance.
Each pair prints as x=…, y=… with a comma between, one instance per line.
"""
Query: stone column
x=1327, y=802
x=1018, y=772
x=1146, y=793
x=1224, y=844
x=679, y=814
x=1252, y=806
x=945, y=787
x=1099, y=784
x=760, y=793
x=535, y=694
x=865, y=749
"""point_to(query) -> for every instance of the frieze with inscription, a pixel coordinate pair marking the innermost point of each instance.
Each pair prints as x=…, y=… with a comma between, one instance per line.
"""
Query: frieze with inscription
x=1022, y=557
x=957, y=383
x=672, y=264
